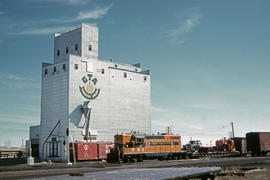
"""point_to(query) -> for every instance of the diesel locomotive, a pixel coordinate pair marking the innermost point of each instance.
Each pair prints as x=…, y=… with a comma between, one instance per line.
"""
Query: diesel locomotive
x=137, y=147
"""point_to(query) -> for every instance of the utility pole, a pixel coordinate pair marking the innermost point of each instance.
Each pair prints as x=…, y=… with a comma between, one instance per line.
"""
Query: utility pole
x=232, y=130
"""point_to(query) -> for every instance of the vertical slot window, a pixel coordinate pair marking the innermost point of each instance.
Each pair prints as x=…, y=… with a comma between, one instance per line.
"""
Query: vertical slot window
x=75, y=66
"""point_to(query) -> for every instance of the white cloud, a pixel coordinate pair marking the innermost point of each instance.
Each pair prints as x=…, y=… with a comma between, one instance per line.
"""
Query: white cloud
x=97, y=13
x=19, y=118
x=75, y=1
x=156, y=109
x=69, y=2
x=93, y=14
x=15, y=77
x=189, y=20
x=48, y=30
x=9, y=81
x=202, y=106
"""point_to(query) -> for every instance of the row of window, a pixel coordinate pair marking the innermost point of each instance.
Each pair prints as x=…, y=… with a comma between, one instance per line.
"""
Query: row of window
x=117, y=66
x=76, y=66
x=63, y=67
x=124, y=75
x=76, y=49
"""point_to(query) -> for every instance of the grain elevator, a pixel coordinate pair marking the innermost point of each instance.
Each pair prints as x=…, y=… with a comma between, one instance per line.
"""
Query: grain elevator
x=85, y=98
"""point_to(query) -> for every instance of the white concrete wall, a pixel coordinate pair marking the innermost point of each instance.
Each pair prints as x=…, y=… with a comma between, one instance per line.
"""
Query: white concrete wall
x=84, y=36
x=54, y=106
x=34, y=132
x=89, y=37
x=123, y=104
x=68, y=39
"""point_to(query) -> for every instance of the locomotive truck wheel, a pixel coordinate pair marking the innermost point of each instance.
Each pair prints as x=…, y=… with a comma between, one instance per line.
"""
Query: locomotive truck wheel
x=134, y=159
x=126, y=159
x=139, y=159
x=170, y=157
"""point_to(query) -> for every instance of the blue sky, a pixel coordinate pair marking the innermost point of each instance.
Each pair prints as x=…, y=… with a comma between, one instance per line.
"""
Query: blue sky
x=209, y=59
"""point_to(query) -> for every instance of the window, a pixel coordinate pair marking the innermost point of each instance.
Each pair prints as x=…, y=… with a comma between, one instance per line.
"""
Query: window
x=102, y=71
x=115, y=65
x=125, y=74
x=145, y=78
x=64, y=66
x=46, y=71
x=54, y=69
x=75, y=66
x=90, y=47
x=76, y=47
x=136, y=70
x=58, y=52
x=66, y=49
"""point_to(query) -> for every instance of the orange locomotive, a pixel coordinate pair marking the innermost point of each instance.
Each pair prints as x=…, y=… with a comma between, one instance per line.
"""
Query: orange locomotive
x=132, y=147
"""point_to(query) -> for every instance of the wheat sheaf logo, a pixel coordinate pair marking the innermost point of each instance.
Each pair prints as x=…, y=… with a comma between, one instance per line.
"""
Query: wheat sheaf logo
x=89, y=91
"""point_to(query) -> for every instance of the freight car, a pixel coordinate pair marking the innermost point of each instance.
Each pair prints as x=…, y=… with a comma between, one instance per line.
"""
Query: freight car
x=136, y=147
x=195, y=146
x=90, y=150
x=258, y=143
x=240, y=144
x=225, y=145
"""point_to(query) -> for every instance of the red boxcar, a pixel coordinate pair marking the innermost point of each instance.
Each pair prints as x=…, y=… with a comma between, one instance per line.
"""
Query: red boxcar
x=90, y=150
x=104, y=149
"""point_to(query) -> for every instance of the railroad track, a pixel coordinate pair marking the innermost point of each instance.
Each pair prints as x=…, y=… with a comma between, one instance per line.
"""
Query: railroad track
x=83, y=167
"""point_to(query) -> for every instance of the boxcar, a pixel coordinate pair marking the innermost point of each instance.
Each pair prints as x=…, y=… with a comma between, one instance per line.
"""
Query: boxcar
x=90, y=150
x=240, y=144
x=258, y=143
